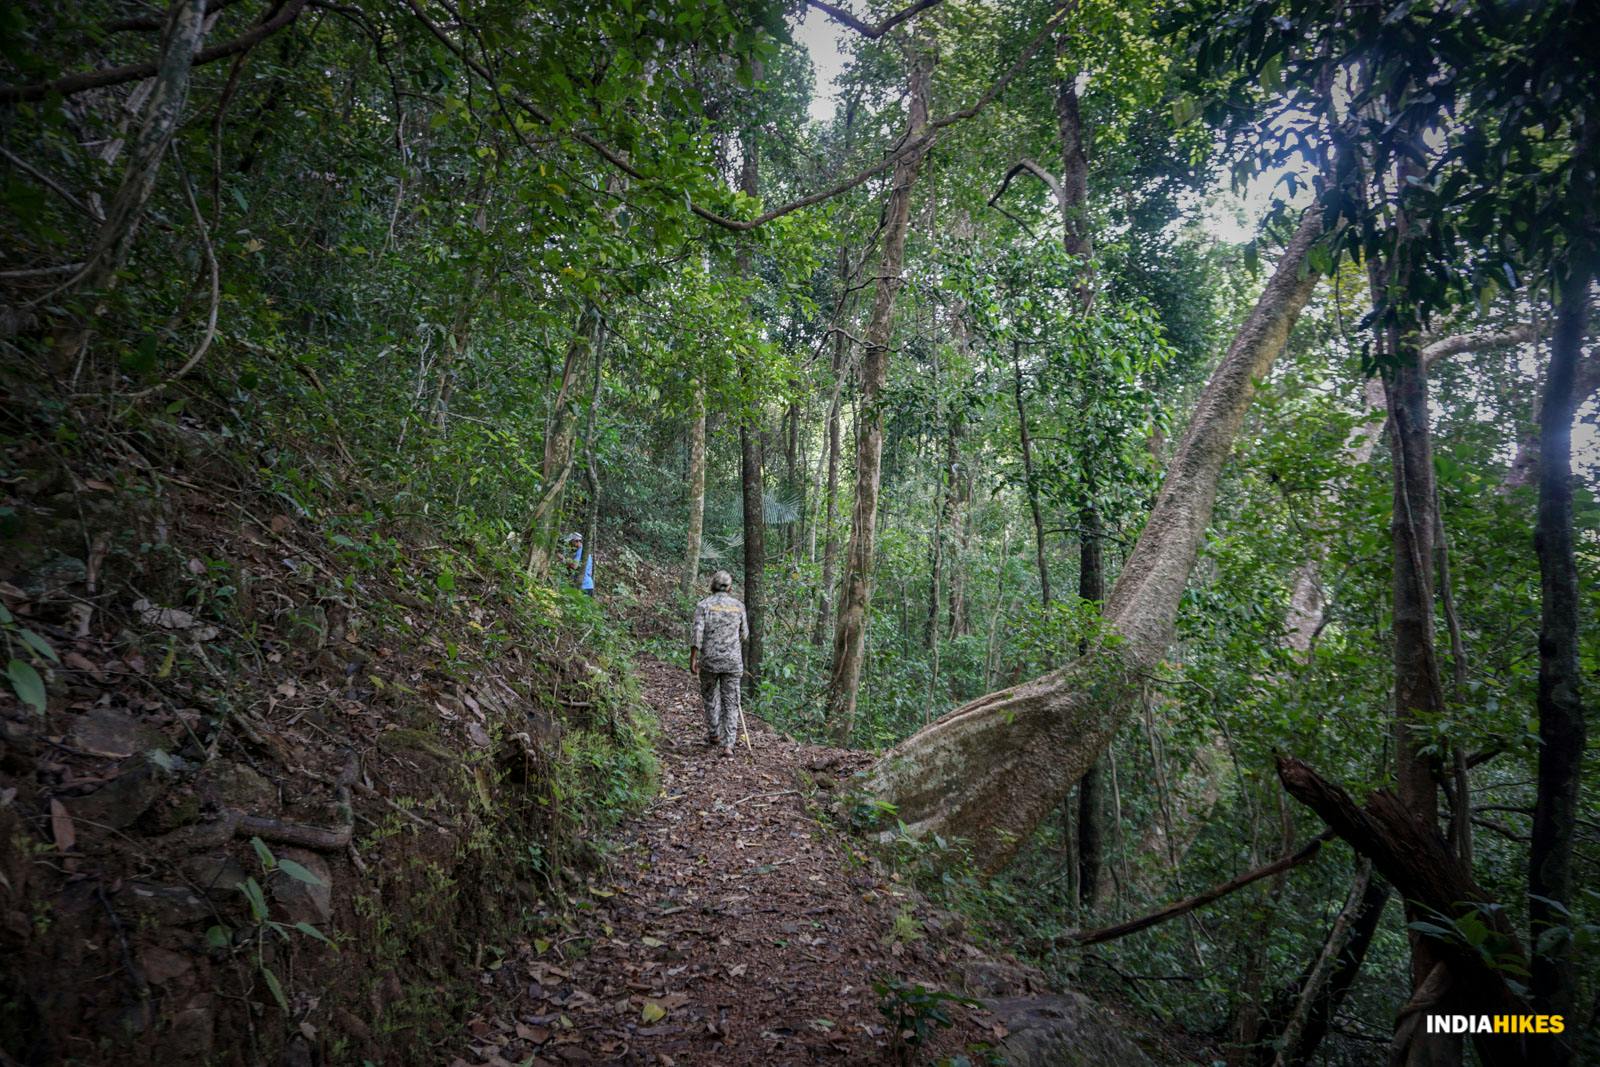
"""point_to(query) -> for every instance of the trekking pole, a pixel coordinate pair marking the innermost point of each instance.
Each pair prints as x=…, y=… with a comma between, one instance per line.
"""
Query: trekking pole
x=745, y=730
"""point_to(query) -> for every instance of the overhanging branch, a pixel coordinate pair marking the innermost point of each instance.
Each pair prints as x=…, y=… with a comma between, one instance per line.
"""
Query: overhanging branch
x=610, y=155
x=99, y=79
x=870, y=30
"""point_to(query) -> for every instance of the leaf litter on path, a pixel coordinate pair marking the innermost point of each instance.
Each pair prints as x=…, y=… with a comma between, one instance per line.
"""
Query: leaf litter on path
x=732, y=927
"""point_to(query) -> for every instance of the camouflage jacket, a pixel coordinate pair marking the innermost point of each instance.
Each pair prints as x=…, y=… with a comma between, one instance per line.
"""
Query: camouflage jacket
x=719, y=626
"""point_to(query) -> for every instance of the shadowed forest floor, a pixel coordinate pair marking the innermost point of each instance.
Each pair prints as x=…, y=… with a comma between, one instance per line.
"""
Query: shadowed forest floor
x=732, y=928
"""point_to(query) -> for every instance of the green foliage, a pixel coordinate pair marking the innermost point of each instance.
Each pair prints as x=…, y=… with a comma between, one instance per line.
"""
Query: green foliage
x=914, y=1012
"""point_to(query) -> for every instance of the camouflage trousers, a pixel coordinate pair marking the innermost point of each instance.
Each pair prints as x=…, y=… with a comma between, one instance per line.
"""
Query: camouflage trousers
x=719, y=693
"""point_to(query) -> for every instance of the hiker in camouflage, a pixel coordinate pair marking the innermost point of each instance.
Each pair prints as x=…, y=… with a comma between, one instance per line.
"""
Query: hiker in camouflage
x=717, y=655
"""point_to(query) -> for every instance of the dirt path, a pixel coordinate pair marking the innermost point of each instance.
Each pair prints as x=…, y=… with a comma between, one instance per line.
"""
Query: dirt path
x=733, y=928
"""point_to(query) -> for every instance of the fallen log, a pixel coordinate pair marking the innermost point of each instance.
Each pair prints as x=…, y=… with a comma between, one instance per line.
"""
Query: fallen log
x=1471, y=977
x=1199, y=900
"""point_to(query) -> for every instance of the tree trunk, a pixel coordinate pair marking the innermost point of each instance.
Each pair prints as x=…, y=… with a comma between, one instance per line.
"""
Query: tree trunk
x=1418, y=689
x=591, y=466
x=755, y=550
x=791, y=480
x=944, y=526
x=990, y=771
x=1028, y=480
x=830, y=506
x=1300, y=1013
x=556, y=466
x=855, y=601
x=930, y=624
x=1524, y=469
x=1321, y=970
x=1091, y=808
x=750, y=477
x=163, y=113
x=697, y=490
x=460, y=335
x=1076, y=236
x=1562, y=730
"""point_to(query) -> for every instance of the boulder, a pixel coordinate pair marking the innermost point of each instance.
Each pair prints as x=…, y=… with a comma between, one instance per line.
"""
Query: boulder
x=114, y=732
x=1063, y=1030
x=218, y=875
x=120, y=802
x=234, y=785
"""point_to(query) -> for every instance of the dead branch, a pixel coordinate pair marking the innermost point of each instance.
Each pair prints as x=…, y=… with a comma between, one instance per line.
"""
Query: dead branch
x=1183, y=907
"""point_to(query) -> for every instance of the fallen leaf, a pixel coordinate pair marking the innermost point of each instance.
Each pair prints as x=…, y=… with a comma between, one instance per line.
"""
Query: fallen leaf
x=652, y=1012
x=61, y=826
x=651, y=942
x=536, y=1034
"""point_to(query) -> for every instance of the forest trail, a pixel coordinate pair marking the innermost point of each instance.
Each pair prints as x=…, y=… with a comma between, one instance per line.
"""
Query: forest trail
x=731, y=927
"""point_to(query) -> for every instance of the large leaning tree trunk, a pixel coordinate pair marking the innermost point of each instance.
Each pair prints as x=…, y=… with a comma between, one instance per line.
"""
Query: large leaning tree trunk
x=989, y=772
x=855, y=598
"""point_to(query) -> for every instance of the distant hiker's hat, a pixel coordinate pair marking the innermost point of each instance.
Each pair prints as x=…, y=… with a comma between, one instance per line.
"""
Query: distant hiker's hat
x=721, y=582
x=573, y=537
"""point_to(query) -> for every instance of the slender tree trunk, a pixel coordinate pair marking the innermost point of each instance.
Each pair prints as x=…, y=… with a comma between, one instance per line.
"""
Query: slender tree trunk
x=791, y=477
x=1301, y=1012
x=1076, y=235
x=944, y=527
x=1417, y=685
x=855, y=600
x=930, y=626
x=750, y=473
x=591, y=465
x=755, y=550
x=560, y=430
x=960, y=603
x=990, y=771
x=1248, y=1022
x=1029, y=483
x=830, y=504
x=1524, y=469
x=697, y=490
x=1091, y=806
x=1562, y=730
x=163, y=114
x=460, y=335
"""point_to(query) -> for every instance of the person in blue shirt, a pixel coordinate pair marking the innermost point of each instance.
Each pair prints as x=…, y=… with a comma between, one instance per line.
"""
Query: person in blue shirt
x=580, y=557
